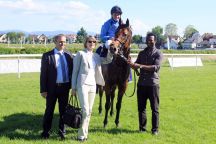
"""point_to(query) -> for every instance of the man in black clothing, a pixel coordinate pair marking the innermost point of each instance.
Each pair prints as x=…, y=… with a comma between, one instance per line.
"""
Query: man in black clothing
x=55, y=83
x=149, y=62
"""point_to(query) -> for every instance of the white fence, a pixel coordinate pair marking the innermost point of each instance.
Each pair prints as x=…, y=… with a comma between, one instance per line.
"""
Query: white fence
x=18, y=63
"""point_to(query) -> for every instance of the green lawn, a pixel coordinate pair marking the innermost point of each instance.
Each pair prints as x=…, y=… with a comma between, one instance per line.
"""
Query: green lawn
x=187, y=111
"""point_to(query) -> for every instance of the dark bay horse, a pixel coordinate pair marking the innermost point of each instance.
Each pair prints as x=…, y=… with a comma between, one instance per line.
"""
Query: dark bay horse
x=116, y=73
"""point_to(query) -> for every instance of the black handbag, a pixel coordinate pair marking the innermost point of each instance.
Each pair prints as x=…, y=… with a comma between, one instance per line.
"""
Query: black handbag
x=73, y=113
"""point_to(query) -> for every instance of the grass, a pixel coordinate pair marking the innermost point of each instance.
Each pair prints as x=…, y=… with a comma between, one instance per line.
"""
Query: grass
x=187, y=111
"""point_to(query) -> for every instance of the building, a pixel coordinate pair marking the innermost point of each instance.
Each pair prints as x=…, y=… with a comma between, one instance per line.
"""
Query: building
x=71, y=38
x=193, y=42
x=3, y=38
x=42, y=39
x=172, y=42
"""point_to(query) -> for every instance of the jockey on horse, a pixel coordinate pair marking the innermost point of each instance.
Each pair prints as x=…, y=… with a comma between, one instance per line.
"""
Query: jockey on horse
x=108, y=30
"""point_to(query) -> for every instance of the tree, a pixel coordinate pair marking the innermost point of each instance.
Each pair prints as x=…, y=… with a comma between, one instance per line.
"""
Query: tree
x=189, y=31
x=12, y=37
x=137, y=39
x=171, y=29
x=15, y=37
x=81, y=35
x=21, y=37
x=158, y=31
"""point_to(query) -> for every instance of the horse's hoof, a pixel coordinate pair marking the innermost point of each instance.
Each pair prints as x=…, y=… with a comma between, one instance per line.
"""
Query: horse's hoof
x=100, y=110
x=111, y=114
x=117, y=123
x=105, y=124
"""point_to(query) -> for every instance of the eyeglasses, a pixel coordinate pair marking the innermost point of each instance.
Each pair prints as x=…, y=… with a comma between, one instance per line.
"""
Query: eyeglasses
x=62, y=42
x=91, y=41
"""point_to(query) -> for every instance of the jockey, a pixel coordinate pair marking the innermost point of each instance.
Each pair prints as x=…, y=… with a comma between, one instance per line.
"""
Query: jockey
x=108, y=30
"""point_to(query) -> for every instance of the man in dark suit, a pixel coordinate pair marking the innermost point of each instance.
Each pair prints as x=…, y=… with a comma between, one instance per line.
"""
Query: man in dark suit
x=55, y=83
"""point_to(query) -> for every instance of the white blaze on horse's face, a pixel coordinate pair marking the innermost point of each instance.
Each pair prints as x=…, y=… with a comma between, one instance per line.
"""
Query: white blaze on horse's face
x=114, y=47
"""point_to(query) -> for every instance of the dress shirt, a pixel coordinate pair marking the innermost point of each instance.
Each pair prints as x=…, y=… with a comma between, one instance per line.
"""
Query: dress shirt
x=58, y=66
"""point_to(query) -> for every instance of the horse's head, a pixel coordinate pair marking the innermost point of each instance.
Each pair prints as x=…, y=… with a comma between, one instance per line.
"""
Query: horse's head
x=123, y=36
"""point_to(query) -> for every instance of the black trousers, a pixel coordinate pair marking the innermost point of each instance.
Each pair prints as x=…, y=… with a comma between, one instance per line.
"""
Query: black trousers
x=61, y=93
x=143, y=94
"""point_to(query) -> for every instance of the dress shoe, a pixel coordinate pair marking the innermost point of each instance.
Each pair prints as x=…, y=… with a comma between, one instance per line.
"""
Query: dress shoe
x=154, y=132
x=44, y=135
x=142, y=130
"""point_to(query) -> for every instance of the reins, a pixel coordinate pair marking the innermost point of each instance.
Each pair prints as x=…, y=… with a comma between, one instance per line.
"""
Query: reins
x=134, y=86
x=120, y=53
x=135, y=72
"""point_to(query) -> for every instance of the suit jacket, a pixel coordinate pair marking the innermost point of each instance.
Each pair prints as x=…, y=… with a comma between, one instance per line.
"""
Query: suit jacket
x=48, y=73
x=81, y=68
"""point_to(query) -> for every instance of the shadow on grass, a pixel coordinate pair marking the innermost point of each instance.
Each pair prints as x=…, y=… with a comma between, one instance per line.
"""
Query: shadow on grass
x=24, y=126
x=113, y=131
x=29, y=127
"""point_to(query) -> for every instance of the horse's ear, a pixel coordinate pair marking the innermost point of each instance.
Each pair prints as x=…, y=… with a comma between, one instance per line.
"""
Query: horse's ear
x=127, y=23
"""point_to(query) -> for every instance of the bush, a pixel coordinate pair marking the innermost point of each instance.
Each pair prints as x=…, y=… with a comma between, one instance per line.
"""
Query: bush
x=75, y=47
x=35, y=49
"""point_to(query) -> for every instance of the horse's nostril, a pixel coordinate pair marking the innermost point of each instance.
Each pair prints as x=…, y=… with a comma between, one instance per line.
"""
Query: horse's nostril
x=114, y=49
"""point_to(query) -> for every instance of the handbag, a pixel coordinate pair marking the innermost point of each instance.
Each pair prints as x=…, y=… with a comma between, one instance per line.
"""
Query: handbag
x=73, y=113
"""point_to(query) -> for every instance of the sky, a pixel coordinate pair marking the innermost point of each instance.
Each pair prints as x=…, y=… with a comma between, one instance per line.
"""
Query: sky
x=71, y=15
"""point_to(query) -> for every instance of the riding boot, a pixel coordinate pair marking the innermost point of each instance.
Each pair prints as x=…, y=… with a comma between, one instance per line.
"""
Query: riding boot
x=102, y=51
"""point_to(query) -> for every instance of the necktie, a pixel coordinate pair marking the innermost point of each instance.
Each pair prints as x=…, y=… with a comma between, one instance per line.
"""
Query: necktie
x=64, y=75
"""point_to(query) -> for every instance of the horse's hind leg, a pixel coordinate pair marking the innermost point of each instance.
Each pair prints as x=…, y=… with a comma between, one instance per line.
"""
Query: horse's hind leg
x=100, y=91
x=112, y=100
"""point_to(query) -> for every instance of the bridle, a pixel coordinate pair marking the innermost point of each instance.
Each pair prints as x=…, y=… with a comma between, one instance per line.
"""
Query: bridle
x=121, y=45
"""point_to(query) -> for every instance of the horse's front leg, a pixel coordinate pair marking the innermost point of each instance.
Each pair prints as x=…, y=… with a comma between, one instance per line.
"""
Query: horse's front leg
x=100, y=92
x=121, y=91
x=112, y=99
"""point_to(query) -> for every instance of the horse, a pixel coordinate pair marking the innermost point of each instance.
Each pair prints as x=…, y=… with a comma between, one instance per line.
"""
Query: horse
x=117, y=72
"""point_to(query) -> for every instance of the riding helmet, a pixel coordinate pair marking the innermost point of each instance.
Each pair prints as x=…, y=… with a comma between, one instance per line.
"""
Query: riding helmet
x=116, y=9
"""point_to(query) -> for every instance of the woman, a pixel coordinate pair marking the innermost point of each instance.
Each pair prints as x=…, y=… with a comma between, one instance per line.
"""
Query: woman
x=86, y=74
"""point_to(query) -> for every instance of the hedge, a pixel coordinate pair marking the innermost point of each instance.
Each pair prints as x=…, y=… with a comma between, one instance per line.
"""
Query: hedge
x=39, y=49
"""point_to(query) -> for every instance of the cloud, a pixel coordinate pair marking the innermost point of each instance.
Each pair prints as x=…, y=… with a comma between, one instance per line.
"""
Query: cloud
x=43, y=7
x=139, y=27
x=89, y=21
x=22, y=6
x=71, y=15
x=74, y=5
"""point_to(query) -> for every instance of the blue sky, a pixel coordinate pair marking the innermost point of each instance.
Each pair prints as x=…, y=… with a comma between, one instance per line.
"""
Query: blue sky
x=71, y=15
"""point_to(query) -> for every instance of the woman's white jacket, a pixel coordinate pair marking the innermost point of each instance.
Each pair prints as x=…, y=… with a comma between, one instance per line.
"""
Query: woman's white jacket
x=81, y=68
